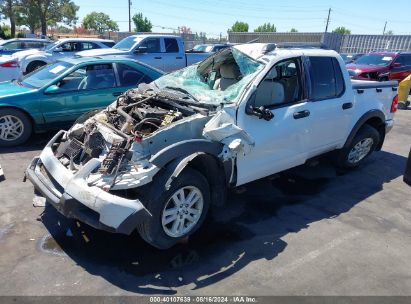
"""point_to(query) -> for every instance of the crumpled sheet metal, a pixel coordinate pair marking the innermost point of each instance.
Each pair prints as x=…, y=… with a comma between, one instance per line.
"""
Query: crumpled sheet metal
x=221, y=128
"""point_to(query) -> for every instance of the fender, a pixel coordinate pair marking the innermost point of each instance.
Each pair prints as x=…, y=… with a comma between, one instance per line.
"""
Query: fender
x=363, y=119
x=185, y=148
x=35, y=57
x=36, y=118
x=216, y=173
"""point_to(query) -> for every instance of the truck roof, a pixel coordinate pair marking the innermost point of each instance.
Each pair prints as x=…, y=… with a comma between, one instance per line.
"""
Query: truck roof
x=150, y=35
x=85, y=39
x=259, y=51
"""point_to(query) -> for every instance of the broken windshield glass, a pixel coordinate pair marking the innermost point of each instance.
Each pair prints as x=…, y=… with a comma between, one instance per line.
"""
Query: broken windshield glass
x=218, y=79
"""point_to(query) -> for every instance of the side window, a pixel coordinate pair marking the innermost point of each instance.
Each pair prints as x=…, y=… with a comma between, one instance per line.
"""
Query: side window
x=171, y=45
x=129, y=76
x=405, y=60
x=326, y=78
x=109, y=44
x=89, y=46
x=33, y=45
x=12, y=46
x=91, y=77
x=281, y=85
x=152, y=45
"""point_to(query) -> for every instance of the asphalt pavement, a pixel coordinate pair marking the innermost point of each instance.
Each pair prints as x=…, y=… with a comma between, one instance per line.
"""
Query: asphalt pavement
x=310, y=231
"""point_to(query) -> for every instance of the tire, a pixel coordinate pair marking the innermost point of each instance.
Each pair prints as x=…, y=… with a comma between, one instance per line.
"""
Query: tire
x=364, y=143
x=15, y=127
x=34, y=66
x=156, y=231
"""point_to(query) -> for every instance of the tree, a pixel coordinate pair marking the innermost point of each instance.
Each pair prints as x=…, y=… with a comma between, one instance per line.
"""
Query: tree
x=293, y=30
x=8, y=8
x=50, y=12
x=265, y=28
x=27, y=15
x=141, y=23
x=239, y=26
x=99, y=22
x=185, y=30
x=342, y=30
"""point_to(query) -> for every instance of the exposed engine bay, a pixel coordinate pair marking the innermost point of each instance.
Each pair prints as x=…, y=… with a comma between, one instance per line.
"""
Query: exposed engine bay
x=117, y=134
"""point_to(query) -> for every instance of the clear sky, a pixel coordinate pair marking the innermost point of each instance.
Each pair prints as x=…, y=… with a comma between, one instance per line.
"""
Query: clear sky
x=216, y=16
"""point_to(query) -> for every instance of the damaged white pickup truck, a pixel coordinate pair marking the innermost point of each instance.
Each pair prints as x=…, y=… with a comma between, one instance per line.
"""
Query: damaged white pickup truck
x=161, y=155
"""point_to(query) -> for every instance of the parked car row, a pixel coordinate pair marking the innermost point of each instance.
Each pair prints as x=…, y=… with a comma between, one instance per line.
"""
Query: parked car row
x=24, y=62
x=378, y=66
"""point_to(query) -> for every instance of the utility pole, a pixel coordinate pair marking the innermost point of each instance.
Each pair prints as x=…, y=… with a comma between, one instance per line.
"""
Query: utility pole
x=328, y=19
x=129, y=15
x=385, y=26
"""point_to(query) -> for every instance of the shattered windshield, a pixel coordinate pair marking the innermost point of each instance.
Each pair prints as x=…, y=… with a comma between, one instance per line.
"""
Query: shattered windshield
x=218, y=79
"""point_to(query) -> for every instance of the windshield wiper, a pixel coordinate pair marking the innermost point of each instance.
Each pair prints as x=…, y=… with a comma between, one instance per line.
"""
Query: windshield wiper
x=184, y=92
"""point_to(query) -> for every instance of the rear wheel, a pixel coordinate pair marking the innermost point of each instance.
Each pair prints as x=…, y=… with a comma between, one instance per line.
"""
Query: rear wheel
x=177, y=212
x=364, y=143
x=15, y=127
x=34, y=66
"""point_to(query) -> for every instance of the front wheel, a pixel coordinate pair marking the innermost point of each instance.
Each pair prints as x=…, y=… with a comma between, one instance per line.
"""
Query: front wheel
x=364, y=143
x=177, y=212
x=34, y=66
x=15, y=127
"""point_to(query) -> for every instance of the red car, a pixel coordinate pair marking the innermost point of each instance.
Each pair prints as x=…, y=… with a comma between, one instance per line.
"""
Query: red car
x=381, y=66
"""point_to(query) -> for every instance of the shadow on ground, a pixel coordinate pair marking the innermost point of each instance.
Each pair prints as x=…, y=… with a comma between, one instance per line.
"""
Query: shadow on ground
x=249, y=228
x=35, y=142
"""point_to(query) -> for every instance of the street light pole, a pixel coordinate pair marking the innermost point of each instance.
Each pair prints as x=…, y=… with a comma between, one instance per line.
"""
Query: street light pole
x=129, y=15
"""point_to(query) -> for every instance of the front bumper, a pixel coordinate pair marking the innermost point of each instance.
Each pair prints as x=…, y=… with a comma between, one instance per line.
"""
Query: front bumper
x=70, y=194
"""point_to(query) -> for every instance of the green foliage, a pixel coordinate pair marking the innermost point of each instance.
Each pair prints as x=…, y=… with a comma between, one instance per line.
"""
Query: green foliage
x=43, y=13
x=293, y=30
x=142, y=24
x=342, y=30
x=99, y=22
x=5, y=31
x=20, y=35
x=239, y=26
x=265, y=28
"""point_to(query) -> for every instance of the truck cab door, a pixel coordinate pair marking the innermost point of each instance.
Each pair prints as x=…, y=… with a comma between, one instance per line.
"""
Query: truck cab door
x=174, y=56
x=331, y=104
x=149, y=51
x=281, y=142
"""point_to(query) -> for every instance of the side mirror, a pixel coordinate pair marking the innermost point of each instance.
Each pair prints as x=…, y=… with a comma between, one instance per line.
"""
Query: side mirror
x=53, y=89
x=58, y=49
x=261, y=112
x=141, y=50
x=396, y=64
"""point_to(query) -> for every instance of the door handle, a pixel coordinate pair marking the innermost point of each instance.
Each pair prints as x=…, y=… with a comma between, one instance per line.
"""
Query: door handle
x=347, y=105
x=157, y=57
x=117, y=93
x=301, y=114
x=179, y=57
